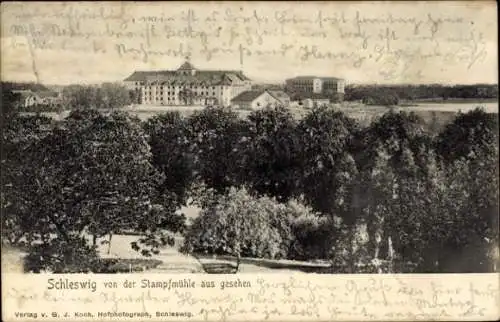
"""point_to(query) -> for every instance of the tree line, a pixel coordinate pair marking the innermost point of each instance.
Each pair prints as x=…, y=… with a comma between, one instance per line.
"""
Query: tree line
x=104, y=96
x=269, y=186
x=393, y=94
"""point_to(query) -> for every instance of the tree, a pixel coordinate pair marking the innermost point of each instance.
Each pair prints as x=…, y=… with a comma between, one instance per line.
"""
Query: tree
x=82, y=97
x=186, y=96
x=93, y=175
x=236, y=224
x=243, y=225
x=135, y=96
x=115, y=96
x=21, y=137
x=329, y=169
x=215, y=134
x=106, y=96
x=9, y=105
x=272, y=153
x=469, y=134
x=468, y=148
x=453, y=223
x=167, y=135
x=391, y=154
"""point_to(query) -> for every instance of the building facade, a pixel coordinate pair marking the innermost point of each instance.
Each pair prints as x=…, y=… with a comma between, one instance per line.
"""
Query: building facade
x=188, y=86
x=328, y=86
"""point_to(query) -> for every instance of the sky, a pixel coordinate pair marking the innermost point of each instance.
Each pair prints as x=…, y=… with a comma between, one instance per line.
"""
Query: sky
x=362, y=42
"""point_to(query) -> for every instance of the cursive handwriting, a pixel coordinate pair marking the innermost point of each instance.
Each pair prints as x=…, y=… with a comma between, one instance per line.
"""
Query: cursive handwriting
x=397, y=42
x=278, y=298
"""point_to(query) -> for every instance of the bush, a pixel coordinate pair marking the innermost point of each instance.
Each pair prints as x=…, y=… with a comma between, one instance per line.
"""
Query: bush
x=237, y=224
x=304, y=234
x=71, y=255
x=312, y=237
x=242, y=225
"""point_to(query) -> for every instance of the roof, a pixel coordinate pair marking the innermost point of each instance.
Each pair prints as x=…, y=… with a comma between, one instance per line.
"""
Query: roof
x=248, y=96
x=186, y=66
x=314, y=77
x=210, y=77
x=280, y=95
x=23, y=94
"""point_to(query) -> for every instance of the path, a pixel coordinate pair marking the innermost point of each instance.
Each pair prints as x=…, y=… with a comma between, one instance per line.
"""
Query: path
x=172, y=260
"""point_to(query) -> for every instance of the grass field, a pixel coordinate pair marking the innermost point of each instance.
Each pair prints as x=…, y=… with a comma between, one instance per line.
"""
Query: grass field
x=170, y=260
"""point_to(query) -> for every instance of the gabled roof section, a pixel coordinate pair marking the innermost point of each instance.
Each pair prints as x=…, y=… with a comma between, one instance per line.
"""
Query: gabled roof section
x=141, y=76
x=280, y=95
x=247, y=96
x=316, y=77
x=42, y=94
x=210, y=77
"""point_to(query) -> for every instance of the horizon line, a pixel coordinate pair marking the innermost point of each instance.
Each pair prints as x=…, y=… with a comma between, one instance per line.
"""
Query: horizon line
x=264, y=83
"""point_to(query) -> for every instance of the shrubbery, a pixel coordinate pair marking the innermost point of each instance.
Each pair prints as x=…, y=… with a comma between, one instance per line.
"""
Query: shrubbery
x=312, y=236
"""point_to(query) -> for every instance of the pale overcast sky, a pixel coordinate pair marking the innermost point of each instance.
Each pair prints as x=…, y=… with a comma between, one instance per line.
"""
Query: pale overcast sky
x=425, y=42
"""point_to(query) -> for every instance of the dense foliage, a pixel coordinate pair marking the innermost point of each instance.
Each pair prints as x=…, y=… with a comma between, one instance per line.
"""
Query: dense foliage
x=89, y=175
x=105, y=96
x=240, y=224
x=269, y=185
x=385, y=192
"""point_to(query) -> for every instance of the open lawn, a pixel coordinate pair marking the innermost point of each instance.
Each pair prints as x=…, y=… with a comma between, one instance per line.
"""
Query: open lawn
x=122, y=259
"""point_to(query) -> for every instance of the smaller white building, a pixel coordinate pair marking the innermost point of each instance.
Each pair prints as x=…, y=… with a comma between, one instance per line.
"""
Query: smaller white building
x=283, y=97
x=28, y=98
x=252, y=100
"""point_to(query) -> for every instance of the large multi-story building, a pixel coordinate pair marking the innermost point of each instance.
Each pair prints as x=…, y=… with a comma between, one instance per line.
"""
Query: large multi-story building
x=328, y=86
x=188, y=86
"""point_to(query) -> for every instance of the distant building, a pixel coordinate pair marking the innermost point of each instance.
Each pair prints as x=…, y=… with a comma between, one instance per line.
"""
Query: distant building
x=251, y=100
x=188, y=86
x=331, y=87
x=28, y=98
x=309, y=100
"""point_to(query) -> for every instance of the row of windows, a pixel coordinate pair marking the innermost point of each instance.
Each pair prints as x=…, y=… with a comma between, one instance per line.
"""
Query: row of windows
x=177, y=87
x=147, y=92
x=176, y=94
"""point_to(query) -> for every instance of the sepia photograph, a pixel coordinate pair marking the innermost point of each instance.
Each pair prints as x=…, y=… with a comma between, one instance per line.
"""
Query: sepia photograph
x=249, y=138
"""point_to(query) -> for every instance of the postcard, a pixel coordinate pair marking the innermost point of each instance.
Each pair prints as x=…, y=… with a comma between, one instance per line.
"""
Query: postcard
x=249, y=161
